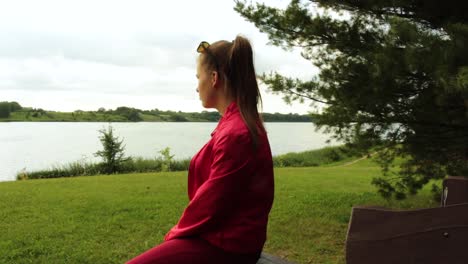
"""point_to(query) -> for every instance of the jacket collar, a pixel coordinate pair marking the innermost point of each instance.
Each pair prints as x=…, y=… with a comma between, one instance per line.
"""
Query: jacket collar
x=230, y=110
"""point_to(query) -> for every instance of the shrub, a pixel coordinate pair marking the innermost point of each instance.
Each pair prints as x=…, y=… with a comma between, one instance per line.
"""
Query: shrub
x=166, y=159
x=112, y=153
x=314, y=157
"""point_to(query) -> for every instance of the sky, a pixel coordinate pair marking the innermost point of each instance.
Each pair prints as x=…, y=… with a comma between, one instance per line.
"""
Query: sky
x=82, y=55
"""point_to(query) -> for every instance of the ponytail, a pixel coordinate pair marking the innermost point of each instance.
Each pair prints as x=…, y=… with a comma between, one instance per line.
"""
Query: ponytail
x=244, y=87
x=234, y=63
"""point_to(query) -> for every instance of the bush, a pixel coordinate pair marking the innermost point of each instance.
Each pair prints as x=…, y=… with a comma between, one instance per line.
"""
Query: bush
x=166, y=159
x=80, y=168
x=167, y=163
x=5, y=109
x=69, y=170
x=181, y=165
x=313, y=158
x=112, y=153
x=140, y=164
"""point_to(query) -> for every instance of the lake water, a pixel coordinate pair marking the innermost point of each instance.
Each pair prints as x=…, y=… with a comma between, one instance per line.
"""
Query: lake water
x=33, y=146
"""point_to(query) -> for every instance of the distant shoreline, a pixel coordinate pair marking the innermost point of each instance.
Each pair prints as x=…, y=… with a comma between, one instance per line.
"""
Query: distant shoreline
x=14, y=112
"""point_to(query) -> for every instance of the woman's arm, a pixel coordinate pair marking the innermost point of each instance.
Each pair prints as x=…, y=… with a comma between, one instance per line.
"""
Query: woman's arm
x=229, y=172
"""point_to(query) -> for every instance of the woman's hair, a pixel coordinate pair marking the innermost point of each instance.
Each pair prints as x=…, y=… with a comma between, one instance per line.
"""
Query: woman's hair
x=234, y=63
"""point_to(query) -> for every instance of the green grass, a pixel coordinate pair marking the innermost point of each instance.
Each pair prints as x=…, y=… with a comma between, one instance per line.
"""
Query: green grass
x=110, y=219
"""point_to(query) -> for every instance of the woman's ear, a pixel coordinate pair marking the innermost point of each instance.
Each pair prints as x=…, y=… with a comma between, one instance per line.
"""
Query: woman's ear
x=214, y=78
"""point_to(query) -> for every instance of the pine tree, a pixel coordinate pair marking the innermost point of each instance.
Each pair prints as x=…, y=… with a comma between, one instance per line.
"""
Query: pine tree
x=113, y=151
x=393, y=76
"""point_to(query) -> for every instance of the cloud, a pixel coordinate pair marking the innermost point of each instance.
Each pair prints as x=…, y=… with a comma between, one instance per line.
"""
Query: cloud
x=62, y=74
x=121, y=52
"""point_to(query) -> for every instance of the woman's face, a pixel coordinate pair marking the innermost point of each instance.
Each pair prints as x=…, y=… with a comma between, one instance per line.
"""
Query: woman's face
x=205, y=87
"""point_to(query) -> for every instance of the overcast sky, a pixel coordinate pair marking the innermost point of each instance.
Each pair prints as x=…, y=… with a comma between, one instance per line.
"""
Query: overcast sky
x=69, y=55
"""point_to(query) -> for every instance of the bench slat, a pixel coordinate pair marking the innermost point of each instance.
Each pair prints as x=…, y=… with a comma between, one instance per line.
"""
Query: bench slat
x=433, y=235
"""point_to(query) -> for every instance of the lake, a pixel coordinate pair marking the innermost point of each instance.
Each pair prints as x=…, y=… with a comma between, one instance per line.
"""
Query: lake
x=40, y=145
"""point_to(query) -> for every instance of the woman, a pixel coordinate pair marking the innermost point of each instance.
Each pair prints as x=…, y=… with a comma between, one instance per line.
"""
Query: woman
x=230, y=180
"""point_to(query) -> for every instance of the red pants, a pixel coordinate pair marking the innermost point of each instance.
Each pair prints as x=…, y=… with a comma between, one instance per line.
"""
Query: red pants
x=192, y=251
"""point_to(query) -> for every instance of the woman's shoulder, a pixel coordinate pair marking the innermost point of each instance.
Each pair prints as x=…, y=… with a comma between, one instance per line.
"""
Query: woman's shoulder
x=234, y=126
x=233, y=131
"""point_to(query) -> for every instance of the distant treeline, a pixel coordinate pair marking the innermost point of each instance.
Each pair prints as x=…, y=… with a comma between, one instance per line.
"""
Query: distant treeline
x=13, y=111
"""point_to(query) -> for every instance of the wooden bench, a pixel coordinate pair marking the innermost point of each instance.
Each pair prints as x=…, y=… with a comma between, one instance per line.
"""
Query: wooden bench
x=455, y=190
x=432, y=235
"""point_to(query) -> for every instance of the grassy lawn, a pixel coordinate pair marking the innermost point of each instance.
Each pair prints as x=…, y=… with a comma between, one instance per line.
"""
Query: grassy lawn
x=110, y=219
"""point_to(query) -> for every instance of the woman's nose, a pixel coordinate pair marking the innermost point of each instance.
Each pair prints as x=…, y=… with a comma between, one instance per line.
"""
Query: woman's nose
x=197, y=89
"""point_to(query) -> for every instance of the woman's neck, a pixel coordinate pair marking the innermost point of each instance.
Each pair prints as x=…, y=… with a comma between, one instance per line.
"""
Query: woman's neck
x=223, y=105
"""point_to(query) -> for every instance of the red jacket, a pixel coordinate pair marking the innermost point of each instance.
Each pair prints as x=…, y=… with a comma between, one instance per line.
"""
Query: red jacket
x=230, y=188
